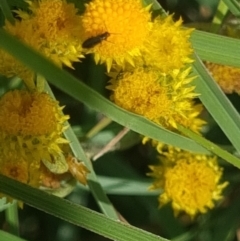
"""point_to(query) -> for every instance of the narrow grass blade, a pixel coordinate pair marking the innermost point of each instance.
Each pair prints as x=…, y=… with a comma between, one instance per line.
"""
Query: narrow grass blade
x=233, y=6
x=216, y=48
x=126, y=186
x=75, y=214
x=4, y=236
x=211, y=147
x=217, y=104
x=6, y=11
x=219, y=16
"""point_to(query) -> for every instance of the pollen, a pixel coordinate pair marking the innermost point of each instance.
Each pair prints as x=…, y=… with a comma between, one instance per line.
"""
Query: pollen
x=128, y=25
x=190, y=182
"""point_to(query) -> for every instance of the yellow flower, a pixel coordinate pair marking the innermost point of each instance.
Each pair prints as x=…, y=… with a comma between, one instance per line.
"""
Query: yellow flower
x=227, y=77
x=126, y=22
x=164, y=99
x=167, y=46
x=58, y=27
x=190, y=182
x=52, y=28
x=31, y=125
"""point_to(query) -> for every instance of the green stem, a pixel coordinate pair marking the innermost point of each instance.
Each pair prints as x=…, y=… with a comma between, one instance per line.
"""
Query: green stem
x=105, y=121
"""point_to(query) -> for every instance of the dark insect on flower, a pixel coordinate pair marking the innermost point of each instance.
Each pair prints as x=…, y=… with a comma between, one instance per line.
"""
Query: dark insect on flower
x=93, y=41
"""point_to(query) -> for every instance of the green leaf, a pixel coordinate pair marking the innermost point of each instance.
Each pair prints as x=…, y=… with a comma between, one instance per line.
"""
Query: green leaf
x=217, y=103
x=75, y=214
x=219, y=16
x=126, y=186
x=9, y=237
x=6, y=11
x=216, y=48
x=234, y=6
x=18, y=3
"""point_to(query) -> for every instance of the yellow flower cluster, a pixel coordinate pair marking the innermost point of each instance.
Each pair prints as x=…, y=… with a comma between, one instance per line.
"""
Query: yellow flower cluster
x=190, y=182
x=151, y=76
x=140, y=51
x=148, y=60
x=31, y=122
x=31, y=128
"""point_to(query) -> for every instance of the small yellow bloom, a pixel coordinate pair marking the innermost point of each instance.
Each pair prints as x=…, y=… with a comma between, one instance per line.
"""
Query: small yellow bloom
x=31, y=125
x=164, y=99
x=167, y=46
x=57, y=24
x=227, y=77
x=128, y=25
x=52, y=28
x=190, y=182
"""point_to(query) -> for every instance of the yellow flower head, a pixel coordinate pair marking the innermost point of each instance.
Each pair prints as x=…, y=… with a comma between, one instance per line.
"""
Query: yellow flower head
x=164, y=99
x=31, y=125
x=227, y=77
x=190, y=182
x=125, y=21
x=167, y=46
x=58, y=27
x=52, y=28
